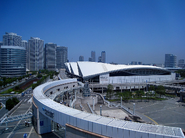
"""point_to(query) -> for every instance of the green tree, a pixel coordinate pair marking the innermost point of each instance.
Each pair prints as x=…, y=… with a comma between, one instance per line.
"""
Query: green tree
x=126, y=95
x=39, y=76
x=10, y=103
x=151, y=88
x=160, y=90
x=140, y=94
x=181, y=72
x=109, y=91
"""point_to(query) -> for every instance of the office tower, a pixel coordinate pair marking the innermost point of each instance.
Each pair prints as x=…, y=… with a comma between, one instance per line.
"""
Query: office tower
x=12, y=39
x=103, y=56
x=24, y=44
x=134, y=63
x=1, y=43
x=90, y=59
x=93, y=56
x=50, y=56
x=181, y=63
x=170, y=60
x=62, y=55
x=99, y=59
x=12, y=61
x=81, y=58
x=139, y=63
x=36, y=54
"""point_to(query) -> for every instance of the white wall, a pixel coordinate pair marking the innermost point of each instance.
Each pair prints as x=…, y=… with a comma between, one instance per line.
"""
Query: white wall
x=135, y=79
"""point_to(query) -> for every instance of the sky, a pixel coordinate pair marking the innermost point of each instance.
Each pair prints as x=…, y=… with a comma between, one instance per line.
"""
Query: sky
x=128, y=30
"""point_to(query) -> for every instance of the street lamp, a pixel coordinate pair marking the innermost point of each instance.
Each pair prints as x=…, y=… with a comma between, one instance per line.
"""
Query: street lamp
x=133, y=108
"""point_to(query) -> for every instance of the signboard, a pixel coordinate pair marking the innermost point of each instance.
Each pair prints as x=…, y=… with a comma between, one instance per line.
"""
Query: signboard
x=104, y=79
x=48, y=113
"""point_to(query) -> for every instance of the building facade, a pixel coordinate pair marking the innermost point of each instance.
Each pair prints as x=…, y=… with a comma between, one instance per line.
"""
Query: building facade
x=1, y=43
x=170, y=61
x=181, y=63
x=93, y=56
x=12, y=61
x=50, y=56
x=105, y=73
x=61, y=56
x=12, y=39
x=81, y=58
x=24, y=44
x=103, y=57
x=36, y=54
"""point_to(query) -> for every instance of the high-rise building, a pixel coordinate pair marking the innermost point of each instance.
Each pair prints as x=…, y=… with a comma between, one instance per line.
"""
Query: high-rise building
x=50, y=56
x=62, y=55
x=103, y=56
x=93, y=56
x=139, y=63
x=81, y=58
x=1, y=43
x=134, y=63
x=90, y=59
x=181, y=63
x=99, y=59
x=36, y=54
x=24, y=44
x=170, y=61
x=12, y=39
x=12, y=61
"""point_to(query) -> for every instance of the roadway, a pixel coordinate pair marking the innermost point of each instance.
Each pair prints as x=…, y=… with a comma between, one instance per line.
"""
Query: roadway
x=17, y=129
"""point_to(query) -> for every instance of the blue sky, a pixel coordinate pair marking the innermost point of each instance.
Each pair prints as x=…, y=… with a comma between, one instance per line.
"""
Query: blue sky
x=128, y=30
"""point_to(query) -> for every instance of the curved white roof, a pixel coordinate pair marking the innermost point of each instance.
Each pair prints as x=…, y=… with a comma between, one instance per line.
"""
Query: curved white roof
x=86, y=69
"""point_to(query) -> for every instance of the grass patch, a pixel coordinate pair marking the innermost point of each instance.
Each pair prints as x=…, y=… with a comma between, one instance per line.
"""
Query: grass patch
x=7, y=91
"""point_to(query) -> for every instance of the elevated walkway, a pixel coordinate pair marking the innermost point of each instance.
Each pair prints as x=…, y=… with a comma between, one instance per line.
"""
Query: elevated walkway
x=16, y=118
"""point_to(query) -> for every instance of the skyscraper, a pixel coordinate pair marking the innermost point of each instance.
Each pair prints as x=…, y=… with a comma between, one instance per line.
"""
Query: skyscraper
x=50, y=56
x=24, y=44
x=81, y=58
x=133, y=62
x=12, y=39
x=36, y=54
x=93, y=56
x=90, y=59
x=170, y=60
x=99, y=59
x=181, y=63
x=103, y=56
x=1, y=43
x=62, y=55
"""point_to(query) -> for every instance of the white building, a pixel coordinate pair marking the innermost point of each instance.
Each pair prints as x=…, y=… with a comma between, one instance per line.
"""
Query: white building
x=36, y=54
x=104, y=73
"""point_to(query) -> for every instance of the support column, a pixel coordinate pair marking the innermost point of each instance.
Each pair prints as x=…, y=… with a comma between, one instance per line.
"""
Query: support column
x=101, y=110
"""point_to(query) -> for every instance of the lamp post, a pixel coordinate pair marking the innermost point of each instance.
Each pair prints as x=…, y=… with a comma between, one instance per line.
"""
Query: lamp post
x=121, y=101
x=133, y=108
x=101, y=110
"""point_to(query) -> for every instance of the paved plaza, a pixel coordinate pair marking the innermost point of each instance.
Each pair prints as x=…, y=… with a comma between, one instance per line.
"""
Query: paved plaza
x=167, y=112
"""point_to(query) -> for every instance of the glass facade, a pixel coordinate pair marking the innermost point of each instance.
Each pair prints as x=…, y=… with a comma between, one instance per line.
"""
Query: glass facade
x=103, y=57
x=170, y=60
x=50, y=56
x=13, y=61
x=62, y=53
x=24, y=44
x=93, y=56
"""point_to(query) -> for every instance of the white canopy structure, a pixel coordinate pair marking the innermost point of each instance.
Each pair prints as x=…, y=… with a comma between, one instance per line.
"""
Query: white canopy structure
x=106, y=73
